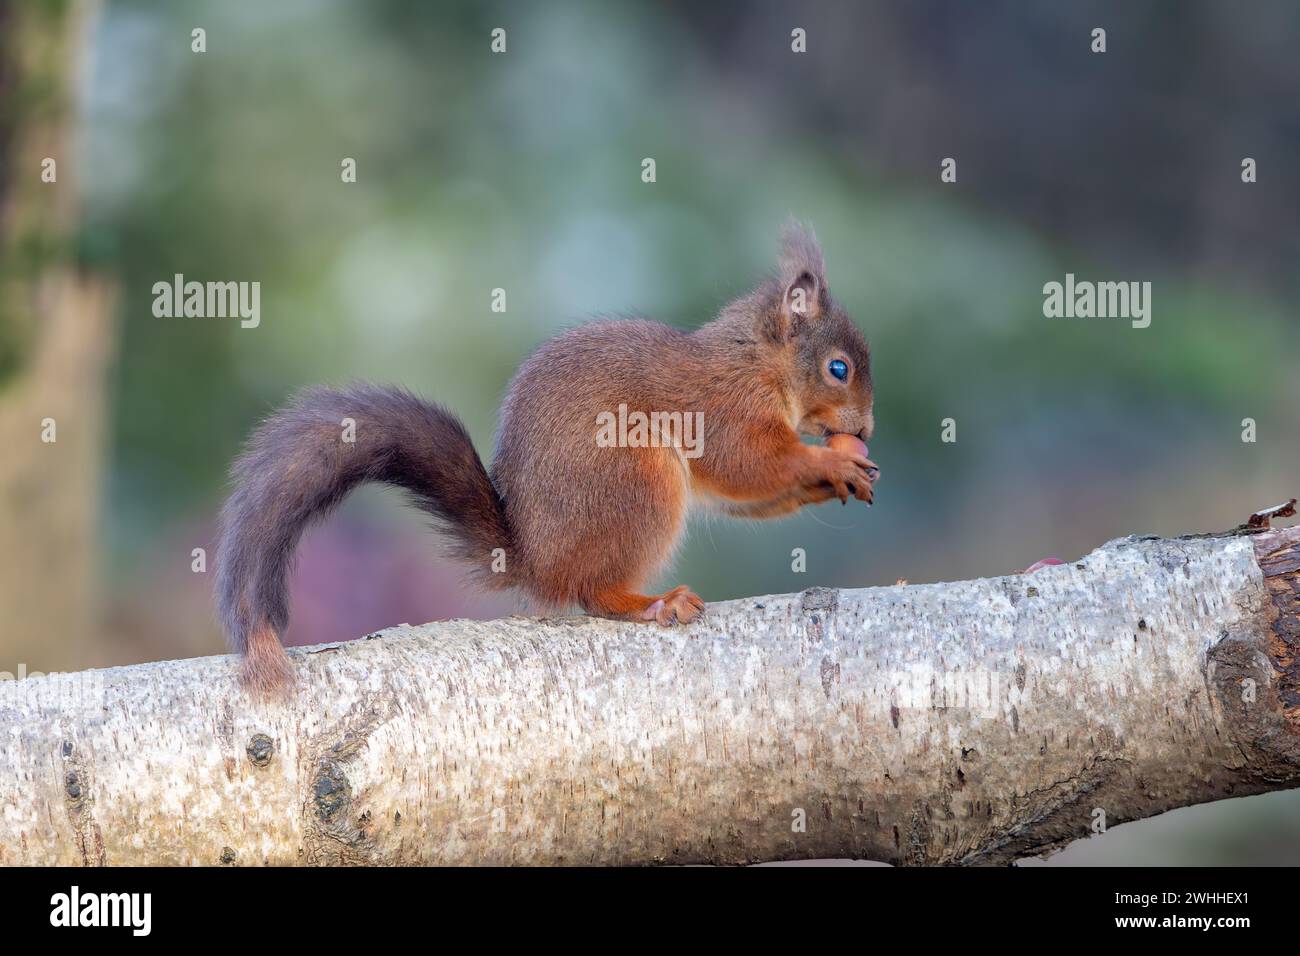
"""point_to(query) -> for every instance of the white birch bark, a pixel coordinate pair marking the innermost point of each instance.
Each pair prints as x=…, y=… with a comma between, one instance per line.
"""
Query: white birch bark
x=968, y=722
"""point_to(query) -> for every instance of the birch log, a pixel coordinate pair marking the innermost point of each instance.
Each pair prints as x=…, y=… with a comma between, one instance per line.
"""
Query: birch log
x=963, y=723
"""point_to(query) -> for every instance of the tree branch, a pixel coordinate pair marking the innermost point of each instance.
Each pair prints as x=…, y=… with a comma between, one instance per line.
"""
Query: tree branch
x=964, y=723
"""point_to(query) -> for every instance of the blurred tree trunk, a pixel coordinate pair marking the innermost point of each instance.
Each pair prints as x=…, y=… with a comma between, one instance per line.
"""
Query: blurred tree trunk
x=970, y=722
x=55, y=349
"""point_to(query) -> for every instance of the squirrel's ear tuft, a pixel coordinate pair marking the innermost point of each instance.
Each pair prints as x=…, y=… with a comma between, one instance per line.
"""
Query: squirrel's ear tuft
x=800, y=253
x=803, y=280
x=799, y=294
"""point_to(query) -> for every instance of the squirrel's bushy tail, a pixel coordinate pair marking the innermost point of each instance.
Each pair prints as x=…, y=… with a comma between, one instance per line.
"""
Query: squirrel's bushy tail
x=300, y=464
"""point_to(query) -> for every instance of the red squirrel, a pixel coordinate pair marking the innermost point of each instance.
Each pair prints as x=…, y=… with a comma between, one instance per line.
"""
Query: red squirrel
x=562, y=516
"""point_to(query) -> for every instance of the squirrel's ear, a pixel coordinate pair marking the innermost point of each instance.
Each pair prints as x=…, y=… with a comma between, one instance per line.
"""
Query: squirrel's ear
x=799, y=304
x=801, y=283
x=803, y=276
x=801, y=300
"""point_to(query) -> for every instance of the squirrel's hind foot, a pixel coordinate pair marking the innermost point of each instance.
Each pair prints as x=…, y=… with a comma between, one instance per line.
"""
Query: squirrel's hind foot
x=678, y=606
x=681, y=605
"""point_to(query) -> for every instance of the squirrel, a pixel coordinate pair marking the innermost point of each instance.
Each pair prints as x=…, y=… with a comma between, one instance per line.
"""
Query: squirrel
x=561, y=516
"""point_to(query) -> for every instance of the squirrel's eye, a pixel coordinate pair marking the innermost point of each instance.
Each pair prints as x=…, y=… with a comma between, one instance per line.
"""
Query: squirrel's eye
x=840, y=369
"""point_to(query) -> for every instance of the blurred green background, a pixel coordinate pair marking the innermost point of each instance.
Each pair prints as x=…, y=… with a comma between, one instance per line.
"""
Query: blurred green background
x=522, y=170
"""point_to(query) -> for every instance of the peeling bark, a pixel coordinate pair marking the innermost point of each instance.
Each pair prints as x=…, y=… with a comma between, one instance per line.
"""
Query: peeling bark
x=972, y=722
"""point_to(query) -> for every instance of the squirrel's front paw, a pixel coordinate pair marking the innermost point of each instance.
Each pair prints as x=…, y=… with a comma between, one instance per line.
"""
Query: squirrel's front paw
x=850, y=475
x=678, y=606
